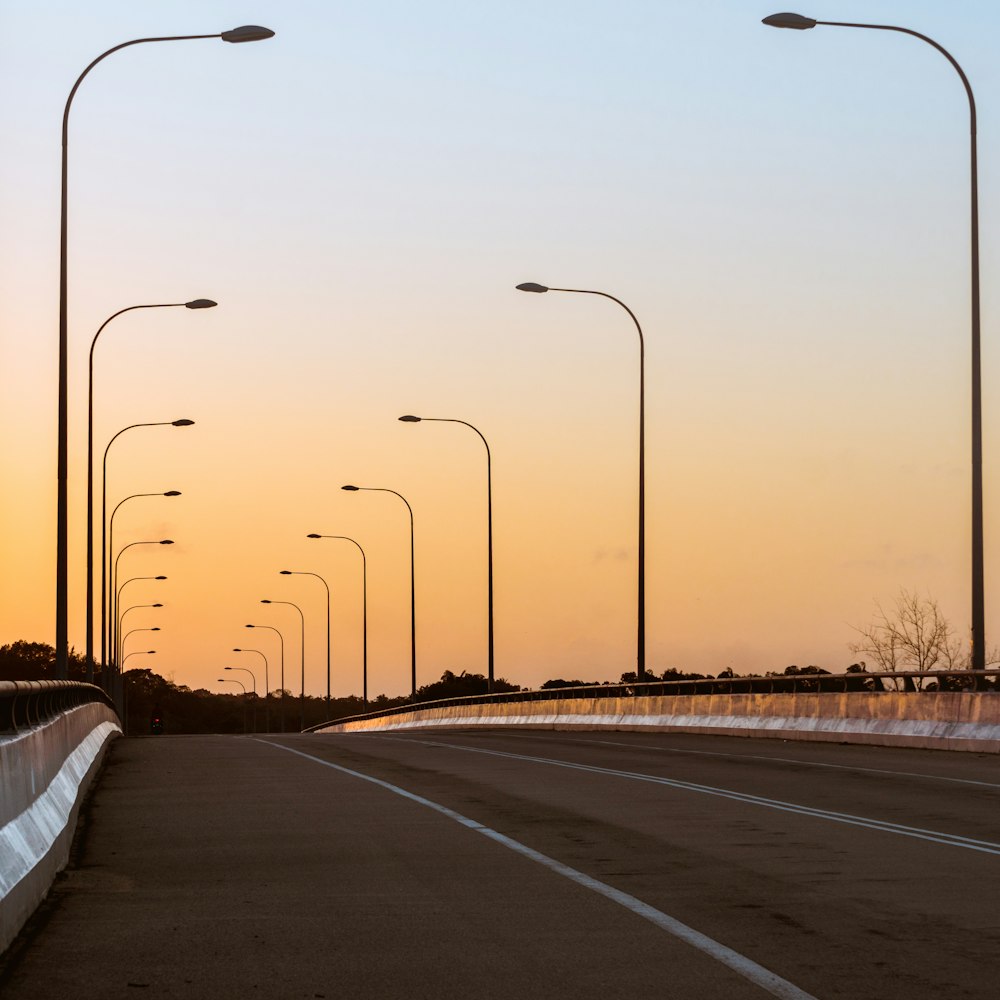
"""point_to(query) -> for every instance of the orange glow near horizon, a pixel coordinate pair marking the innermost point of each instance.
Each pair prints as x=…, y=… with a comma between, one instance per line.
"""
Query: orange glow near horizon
x=362, y=223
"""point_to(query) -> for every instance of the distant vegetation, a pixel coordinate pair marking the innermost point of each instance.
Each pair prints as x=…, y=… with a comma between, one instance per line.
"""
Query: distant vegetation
x=186, y=710
x=198, y=710
x=460, y=686
x=911, y=636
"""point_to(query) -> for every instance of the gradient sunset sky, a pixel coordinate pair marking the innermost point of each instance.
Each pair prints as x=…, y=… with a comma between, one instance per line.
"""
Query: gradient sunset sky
x=786, y=212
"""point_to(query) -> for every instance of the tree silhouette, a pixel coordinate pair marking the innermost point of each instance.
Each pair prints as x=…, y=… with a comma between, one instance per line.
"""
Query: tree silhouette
x=912, y=635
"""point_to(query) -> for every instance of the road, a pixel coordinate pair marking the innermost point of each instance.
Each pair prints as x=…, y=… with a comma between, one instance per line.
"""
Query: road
x=529, y=864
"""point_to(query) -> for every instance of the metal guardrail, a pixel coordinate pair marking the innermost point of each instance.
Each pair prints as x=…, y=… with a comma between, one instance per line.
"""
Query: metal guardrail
x=25, y=704
x=860, y=681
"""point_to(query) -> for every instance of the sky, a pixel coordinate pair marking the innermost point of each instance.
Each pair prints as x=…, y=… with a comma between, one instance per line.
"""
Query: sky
x=785, y=212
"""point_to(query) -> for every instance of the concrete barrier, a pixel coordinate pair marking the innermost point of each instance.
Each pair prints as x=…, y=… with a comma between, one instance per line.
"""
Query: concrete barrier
x=950, y=720
x=44, y=774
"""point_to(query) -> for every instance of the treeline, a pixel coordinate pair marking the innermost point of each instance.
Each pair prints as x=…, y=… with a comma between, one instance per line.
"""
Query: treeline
x=183, y=710
x=148, y=697
x=673, y=674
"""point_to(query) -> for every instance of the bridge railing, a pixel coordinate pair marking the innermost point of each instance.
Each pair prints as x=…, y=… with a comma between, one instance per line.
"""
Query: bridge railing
x=860, y=681
x=26, y=704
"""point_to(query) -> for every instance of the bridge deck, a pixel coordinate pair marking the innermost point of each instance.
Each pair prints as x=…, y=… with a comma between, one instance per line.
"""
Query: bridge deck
x=228, y=867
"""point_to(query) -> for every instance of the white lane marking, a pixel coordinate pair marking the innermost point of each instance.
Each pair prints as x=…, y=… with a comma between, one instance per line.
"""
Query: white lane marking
x=739, y=964
x=780, y=760
x=935, y=836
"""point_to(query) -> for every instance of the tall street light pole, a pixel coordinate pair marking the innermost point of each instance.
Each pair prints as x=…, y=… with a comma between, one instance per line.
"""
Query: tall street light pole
x=253, y=678
x=233, y=680
x=410, y=419
x=296, y=572
x=246, y=33
x=267, y=686
x=106, y=550
x=800, y=23
x=364, y=612
x=140, y=652
x=531, y=286
x=121, y=642
x=281, y=641
x=134, y=579
x=106, y=546
x=302, y=697
x=413, y=602
x=124, y=686
x=119, y=692
x=193, y=304
x=114, y=633
x=155, y=628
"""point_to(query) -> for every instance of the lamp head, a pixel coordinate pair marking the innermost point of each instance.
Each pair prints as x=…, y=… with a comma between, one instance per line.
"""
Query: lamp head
x=409, y=418
x=796, y=21
x=227, y=668
x=249, y=626
x=247, y=33
x=172, y=493
x=285, y=572
x=167, y=541
x=155, y=628
x=313, y=535
x=263, y=601
x=159, y=578
x=351, y=489
x=156, y=605
x=531, y=286
x=200, y=304
x=236, y=649
x=183, y=422
x=149, y=652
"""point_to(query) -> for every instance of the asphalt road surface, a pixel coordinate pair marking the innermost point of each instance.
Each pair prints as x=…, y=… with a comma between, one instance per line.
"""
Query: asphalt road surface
x=527, y=864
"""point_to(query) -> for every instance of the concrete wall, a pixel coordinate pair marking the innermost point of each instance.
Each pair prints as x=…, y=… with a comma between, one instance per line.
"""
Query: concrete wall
x=44, y=773
x=942, y=719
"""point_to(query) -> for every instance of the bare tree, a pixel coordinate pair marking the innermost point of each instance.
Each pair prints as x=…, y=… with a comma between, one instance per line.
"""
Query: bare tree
x=914, y=635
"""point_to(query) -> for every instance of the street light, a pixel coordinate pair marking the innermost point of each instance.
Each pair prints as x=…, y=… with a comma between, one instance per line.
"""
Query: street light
x=139, y=652
x=120, y=647
x=413, y=602
x=228, y=680
x=532, y=286
x=254, y=679
x=364, y=613
x=193, y=304
x=302, y=698
x=296, y=572
x=122, y=694
x=135, y=579
x=796, y=21
x=800, y=23
x=113, y=647
x=281, y=640
x=107, y=549
x=155, y=628
x=245, y=33
x=267, y=685
x=125, y=637
x=410, y=419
